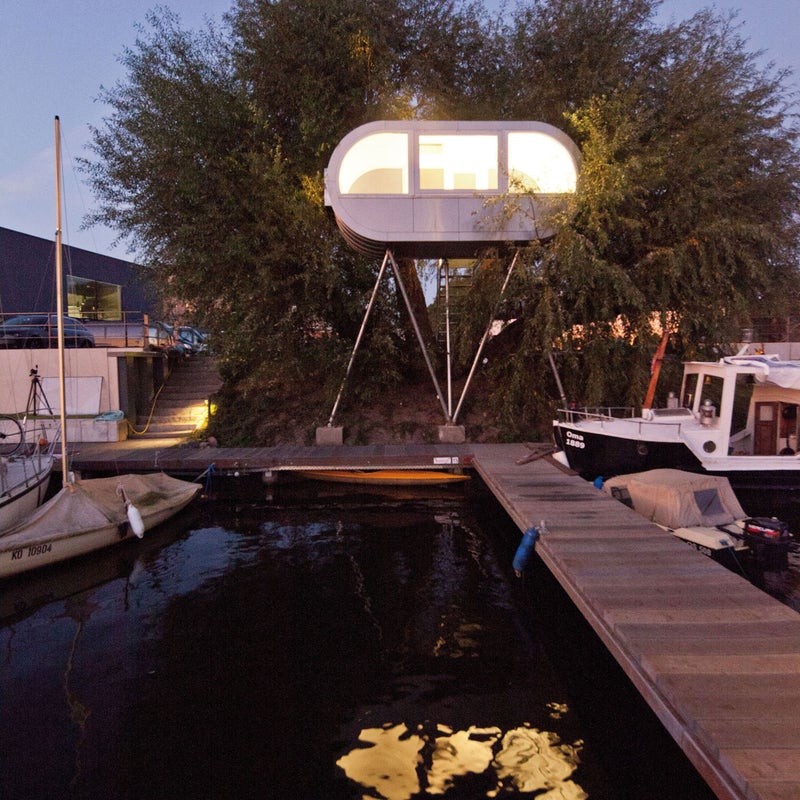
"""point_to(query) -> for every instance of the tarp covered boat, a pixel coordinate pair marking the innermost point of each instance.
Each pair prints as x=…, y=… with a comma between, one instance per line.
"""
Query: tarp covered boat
x=703, y=511
x=91, y=514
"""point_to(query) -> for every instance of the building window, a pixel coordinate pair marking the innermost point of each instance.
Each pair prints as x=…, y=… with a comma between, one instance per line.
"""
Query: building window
x=377, y=164
x=539, y=163
x=457, y=162
x=90, y=299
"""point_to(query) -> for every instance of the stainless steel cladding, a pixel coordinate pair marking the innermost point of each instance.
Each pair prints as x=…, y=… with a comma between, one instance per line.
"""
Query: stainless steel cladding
x=432, y=189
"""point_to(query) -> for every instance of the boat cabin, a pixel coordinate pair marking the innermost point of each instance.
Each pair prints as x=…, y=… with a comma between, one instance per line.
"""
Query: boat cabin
x=746, y=405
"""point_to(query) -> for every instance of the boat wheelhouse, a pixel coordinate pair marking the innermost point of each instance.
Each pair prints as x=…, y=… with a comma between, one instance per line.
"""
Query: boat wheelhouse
x=736, y=417
x=431, y=189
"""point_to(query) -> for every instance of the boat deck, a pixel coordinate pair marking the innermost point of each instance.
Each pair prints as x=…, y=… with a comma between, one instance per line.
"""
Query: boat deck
x=716, y=659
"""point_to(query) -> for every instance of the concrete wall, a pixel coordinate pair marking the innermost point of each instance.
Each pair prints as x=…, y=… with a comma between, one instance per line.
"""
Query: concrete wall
x=94, y=378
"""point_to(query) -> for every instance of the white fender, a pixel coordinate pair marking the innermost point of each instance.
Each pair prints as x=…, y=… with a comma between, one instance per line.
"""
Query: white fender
x=135, y=520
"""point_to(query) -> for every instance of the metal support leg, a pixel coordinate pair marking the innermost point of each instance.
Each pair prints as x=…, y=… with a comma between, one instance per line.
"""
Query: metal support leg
x=485, y=335
x=446, y=265
x=359, y=337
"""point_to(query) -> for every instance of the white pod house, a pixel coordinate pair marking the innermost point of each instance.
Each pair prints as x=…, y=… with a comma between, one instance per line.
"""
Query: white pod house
x=436, y=189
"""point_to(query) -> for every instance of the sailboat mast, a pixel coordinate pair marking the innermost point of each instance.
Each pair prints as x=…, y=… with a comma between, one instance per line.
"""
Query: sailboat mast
x=60, y=312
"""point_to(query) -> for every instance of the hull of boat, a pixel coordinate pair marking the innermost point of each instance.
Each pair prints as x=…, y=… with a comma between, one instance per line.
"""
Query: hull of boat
x=75, y=522
x=21, y=498
x=765, y=486
x=593, y=454
x=729, y=557
x=385, y=477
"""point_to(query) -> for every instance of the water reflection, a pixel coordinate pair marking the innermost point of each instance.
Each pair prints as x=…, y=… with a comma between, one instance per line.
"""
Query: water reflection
x=398, y=764
x=375, y=651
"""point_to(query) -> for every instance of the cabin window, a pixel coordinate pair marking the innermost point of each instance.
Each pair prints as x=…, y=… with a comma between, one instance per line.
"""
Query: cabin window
x=376, y=164
x=457, y=162
x=711, y=389
x=540, y=164
x=689, y=391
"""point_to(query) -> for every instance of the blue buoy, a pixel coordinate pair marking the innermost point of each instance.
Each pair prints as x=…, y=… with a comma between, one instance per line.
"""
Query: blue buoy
x=525, y=549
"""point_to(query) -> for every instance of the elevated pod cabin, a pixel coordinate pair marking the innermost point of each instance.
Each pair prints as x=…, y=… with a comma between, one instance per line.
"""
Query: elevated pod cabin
x=435, y=189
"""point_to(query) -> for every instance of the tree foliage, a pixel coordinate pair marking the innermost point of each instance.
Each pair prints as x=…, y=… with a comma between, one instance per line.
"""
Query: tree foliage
x=686, y=208
x=211, y=166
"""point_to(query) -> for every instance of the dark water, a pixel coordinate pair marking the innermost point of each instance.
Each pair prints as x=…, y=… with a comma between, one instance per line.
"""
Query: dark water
x=319, y=647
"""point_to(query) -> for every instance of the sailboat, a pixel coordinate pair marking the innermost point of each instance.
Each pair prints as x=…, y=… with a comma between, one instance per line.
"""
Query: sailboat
x=25, y=469
x=86, y=515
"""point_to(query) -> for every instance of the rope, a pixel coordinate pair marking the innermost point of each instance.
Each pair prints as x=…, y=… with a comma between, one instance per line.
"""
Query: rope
x=207, y=473
x=732, y=551
x=149, y=418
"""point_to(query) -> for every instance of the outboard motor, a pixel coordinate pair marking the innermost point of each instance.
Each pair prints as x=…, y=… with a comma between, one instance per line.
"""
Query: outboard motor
x=769, y=541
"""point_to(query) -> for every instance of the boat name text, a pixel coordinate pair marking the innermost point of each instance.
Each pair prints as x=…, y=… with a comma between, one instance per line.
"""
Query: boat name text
x=574, y=440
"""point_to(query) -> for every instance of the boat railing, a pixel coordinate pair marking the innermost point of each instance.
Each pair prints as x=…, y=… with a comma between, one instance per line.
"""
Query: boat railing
x=668, y=421
x=595, y=413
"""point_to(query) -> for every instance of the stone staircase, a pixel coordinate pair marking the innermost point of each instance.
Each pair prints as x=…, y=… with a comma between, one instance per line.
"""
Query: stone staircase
x=182, y=405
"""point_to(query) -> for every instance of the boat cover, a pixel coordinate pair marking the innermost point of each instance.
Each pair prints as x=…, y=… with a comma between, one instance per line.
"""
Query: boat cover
x=677, y=499
x=785, y=374
x=95, y=503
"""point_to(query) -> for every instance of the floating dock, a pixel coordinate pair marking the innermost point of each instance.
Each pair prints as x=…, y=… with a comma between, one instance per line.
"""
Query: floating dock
x=716, y=659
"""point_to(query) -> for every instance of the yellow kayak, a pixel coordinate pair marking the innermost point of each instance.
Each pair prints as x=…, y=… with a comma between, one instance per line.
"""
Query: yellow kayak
x=384, y=477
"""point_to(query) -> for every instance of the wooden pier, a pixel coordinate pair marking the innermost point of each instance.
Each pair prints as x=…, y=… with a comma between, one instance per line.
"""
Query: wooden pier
x=716, y=659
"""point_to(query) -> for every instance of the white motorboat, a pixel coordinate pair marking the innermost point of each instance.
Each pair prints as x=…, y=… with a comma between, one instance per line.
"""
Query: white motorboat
x=23, y=484
x=736, y=418
x=26, y=458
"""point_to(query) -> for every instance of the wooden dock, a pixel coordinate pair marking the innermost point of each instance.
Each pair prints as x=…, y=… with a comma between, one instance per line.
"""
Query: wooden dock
x=181, y=459
x=716, y=659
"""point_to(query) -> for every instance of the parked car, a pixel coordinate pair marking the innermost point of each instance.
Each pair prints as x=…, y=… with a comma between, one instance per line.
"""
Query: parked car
x=161, y=336
x=194, y=340
x=41, y=330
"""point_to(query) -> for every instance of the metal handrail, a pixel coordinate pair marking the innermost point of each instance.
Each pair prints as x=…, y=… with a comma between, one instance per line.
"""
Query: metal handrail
x=605, y=414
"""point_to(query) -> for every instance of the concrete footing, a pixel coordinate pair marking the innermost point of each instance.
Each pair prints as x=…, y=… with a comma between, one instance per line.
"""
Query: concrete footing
x=452, y=434
x=330, y=435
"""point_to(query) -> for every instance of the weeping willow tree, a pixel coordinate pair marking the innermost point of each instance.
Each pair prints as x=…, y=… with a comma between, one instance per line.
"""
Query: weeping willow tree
x=211, y=163
x=685, y=215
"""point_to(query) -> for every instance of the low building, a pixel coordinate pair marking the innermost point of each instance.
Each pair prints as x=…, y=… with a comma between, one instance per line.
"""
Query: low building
x=97, y=287
x=130, y=360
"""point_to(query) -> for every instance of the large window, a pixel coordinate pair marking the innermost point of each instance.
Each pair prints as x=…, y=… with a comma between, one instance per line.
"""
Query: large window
x=90, y=299
x=458, y=162
x=539, y=163
x=377, y=164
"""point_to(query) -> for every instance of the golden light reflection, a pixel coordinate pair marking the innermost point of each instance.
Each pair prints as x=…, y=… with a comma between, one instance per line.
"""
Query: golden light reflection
x=533, y=760
x=390, y=765
x=399, y=764
x=460, y=752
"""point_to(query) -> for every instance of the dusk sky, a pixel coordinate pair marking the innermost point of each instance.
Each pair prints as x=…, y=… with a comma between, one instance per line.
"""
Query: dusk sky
x=56, y=54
